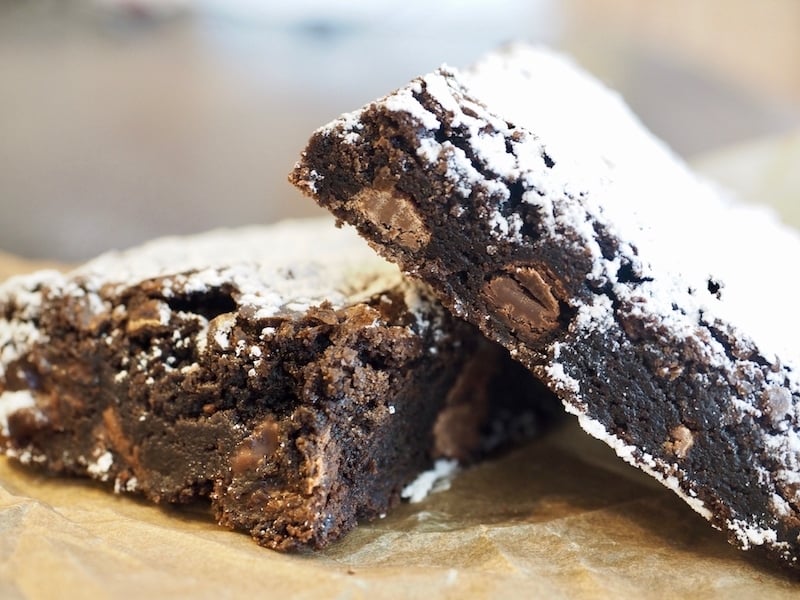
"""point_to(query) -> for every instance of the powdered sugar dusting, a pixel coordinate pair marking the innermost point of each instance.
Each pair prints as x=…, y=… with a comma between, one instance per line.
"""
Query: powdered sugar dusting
x=282, y=269
x=752, y=535
x=100, y=467
x=562, y=380
x=24, y=303
x=585, y=160
x=699, y=258
x=430, y=481
x=290, y=266
x=403, y=101
x=606, y=155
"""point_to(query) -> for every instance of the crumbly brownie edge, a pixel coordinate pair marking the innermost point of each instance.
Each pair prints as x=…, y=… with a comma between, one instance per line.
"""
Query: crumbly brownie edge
x=470, y=204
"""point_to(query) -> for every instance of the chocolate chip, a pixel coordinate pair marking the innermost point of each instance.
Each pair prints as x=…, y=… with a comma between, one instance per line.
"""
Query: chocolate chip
x=259, y=446
x=395, y=216
x=524, y=302
x=680, y=442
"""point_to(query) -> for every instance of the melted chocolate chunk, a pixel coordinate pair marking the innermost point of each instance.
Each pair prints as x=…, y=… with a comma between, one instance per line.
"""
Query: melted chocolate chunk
x=524, y=302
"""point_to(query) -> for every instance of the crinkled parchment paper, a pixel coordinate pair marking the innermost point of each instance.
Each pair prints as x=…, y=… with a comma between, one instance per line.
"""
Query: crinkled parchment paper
x=540, y=522
x=559, y=518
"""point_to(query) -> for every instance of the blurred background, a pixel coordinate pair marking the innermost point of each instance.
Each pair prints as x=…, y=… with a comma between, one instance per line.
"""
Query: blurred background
x=124, y=120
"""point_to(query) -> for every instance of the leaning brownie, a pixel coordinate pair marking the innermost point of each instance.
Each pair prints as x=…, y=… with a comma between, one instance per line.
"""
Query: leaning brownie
x=286, y=372
x=538, y=208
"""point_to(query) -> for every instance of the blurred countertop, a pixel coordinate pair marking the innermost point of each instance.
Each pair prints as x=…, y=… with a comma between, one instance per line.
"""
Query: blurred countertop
x=123, y=120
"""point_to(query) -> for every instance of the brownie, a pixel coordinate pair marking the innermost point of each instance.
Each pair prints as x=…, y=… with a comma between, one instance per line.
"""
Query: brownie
x=285, y=372
x=659, y=310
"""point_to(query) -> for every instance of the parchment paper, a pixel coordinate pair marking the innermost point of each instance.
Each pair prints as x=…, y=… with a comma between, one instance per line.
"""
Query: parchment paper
x=559, y=518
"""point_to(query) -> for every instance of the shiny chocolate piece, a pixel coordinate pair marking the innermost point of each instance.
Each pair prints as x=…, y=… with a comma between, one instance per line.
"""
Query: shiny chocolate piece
x=524, y=302
x=395, y=216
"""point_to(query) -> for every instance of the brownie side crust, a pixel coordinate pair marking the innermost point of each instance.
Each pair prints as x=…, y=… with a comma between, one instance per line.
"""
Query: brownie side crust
x=296, y=417
x=510, y=230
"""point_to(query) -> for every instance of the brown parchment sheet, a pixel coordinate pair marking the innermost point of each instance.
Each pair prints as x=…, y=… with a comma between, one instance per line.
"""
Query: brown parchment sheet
x=559, y=518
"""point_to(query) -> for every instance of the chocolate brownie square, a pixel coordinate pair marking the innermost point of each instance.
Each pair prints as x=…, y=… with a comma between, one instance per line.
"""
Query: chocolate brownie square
x=287, y=373
x=661, y=312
